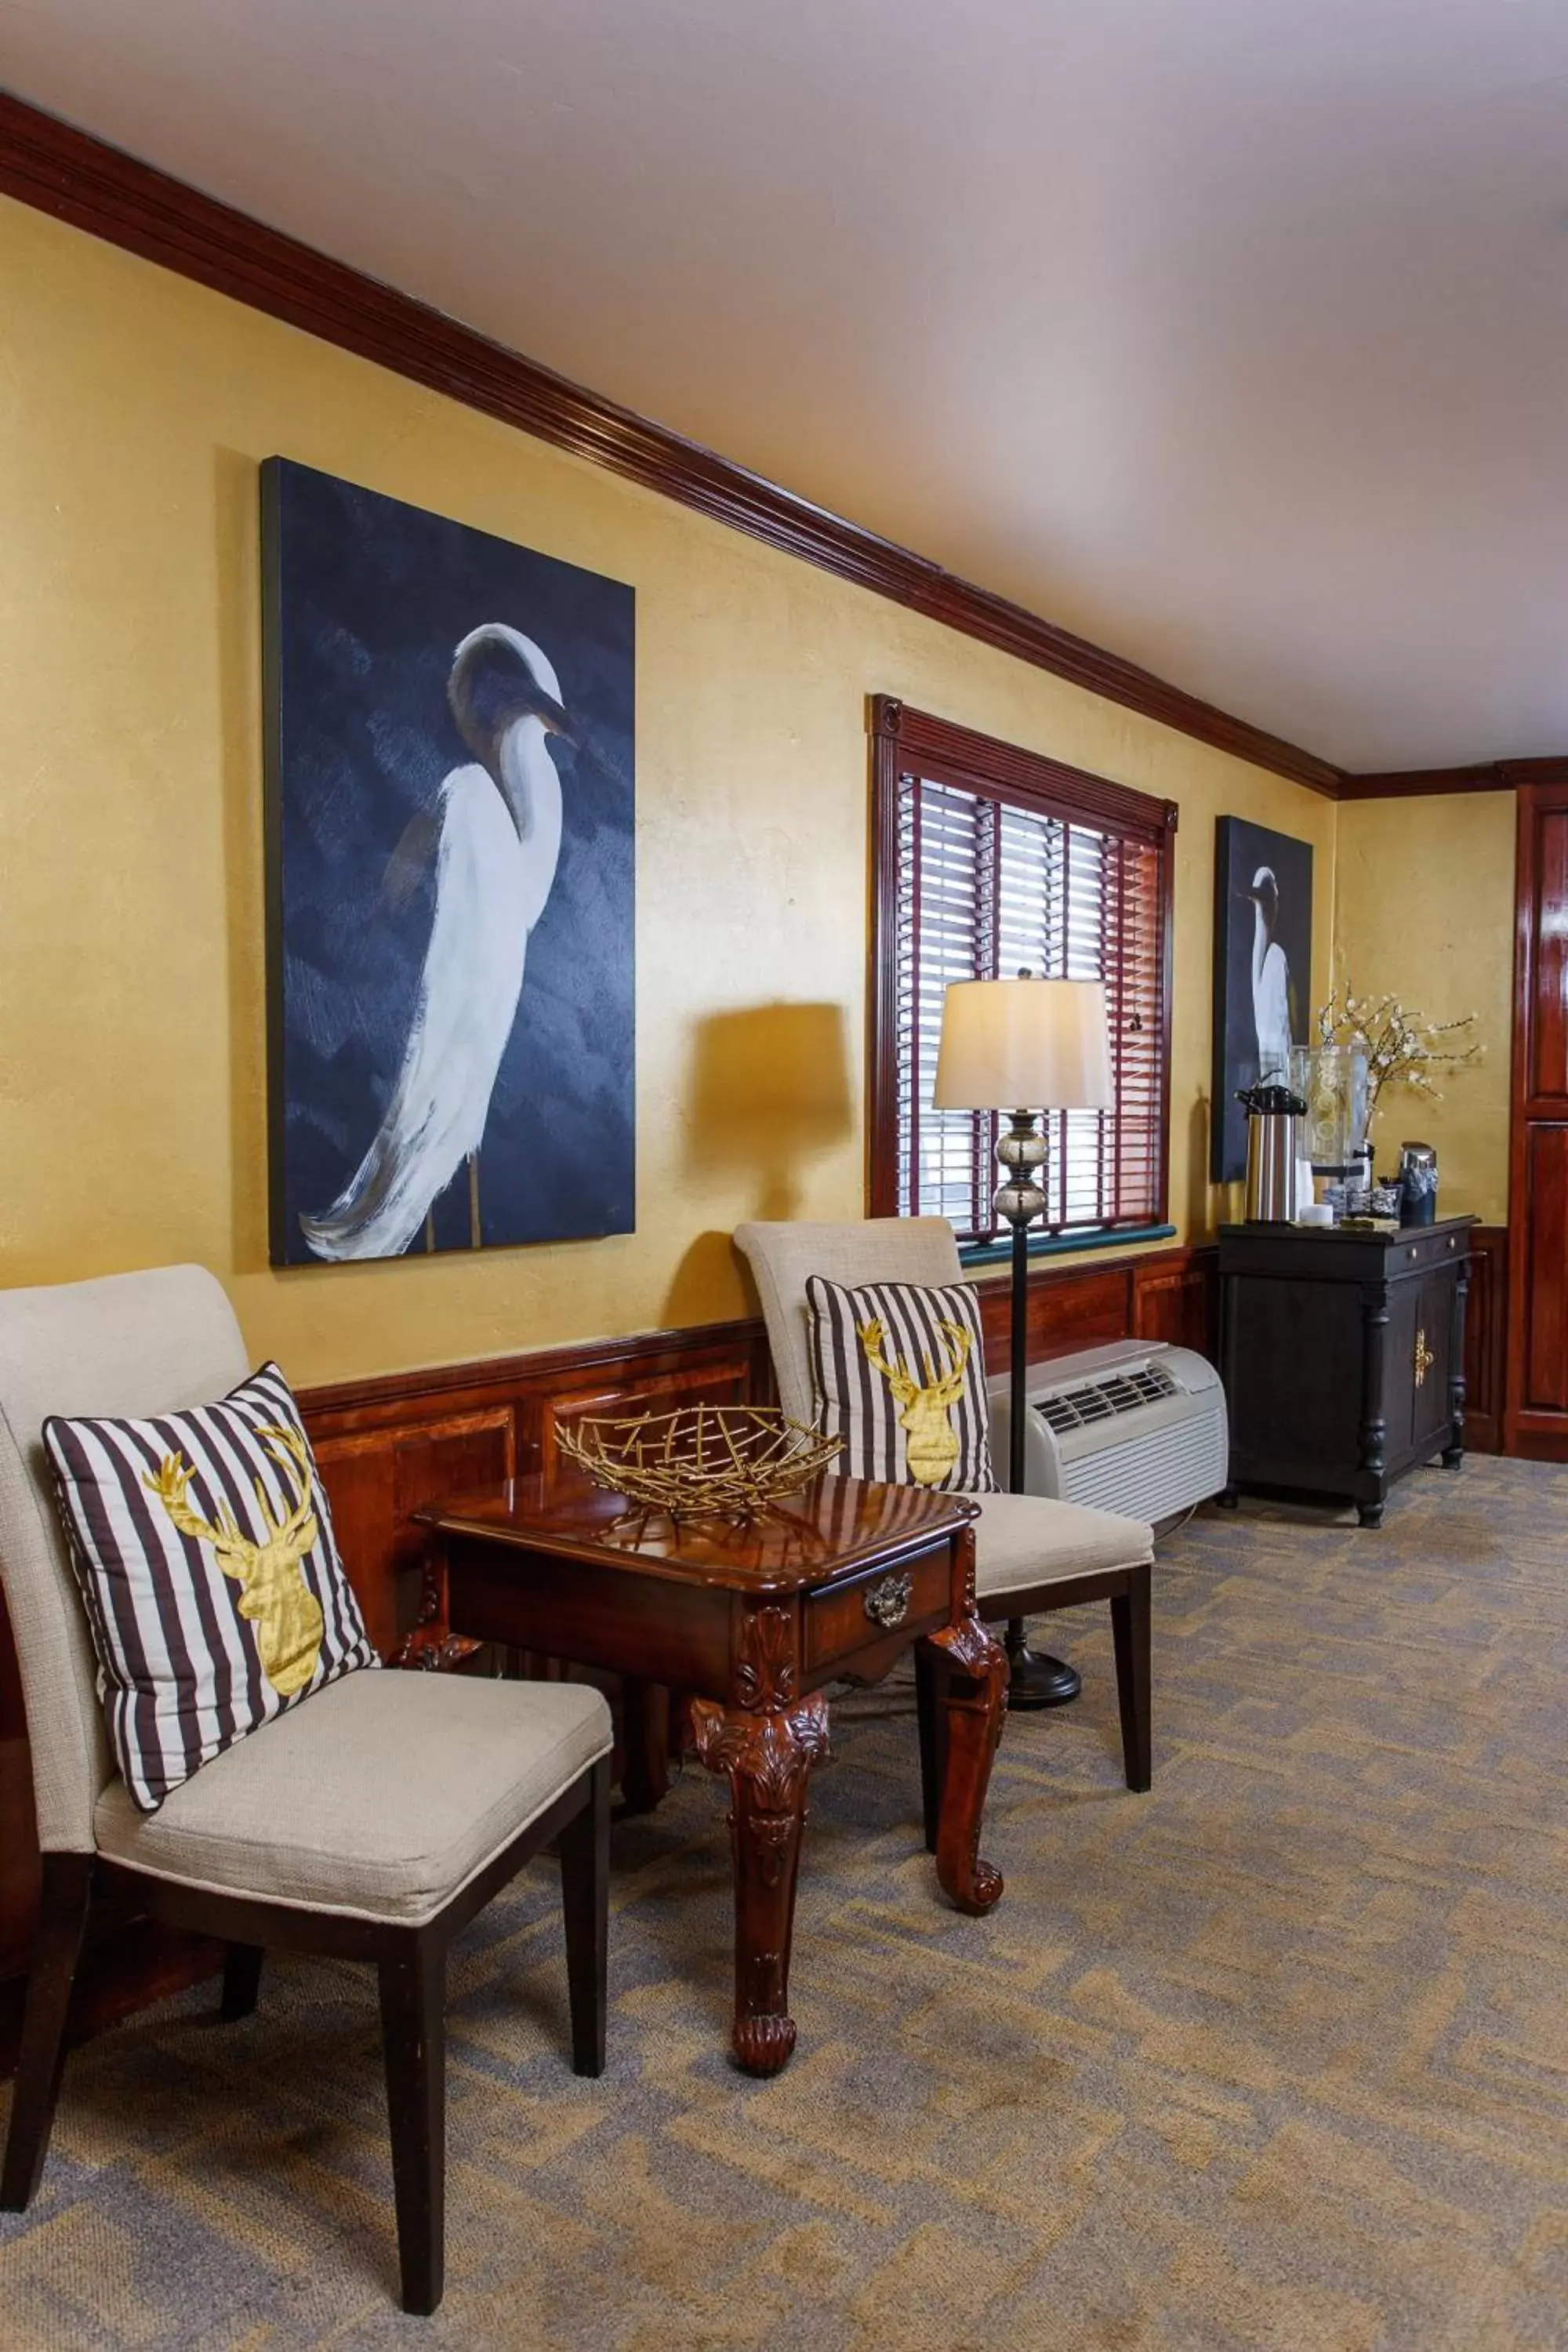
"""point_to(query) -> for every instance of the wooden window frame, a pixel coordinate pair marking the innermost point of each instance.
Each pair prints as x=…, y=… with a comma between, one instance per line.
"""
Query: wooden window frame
x=905, y=742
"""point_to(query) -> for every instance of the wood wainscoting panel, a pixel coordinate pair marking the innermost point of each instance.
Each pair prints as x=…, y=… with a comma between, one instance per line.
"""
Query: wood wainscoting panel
x=377, y=1478
x=1175, y=1296
x=1485, y=1340
x=1170, y=1295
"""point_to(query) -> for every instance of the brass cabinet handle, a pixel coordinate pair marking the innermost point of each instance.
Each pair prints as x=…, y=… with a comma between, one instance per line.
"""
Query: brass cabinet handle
x=1424, y=1359
x=887, y=1601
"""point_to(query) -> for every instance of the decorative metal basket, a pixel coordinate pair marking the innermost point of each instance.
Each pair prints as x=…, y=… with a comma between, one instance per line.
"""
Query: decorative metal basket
x=705, y=1461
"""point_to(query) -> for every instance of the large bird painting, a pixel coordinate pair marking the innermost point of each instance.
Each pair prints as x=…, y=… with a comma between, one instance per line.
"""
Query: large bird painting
x=1262, y=973
x=450, y=748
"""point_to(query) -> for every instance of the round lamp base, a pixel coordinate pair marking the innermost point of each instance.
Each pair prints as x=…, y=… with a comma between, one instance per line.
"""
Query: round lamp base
x=1035, y=1680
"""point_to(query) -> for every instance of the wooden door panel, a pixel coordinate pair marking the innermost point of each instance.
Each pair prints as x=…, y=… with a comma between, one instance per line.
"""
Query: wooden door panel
x=1549, y=921
x=1545, y=1388
x=1535, y=1419
x=1399, y=1367
x=1434, y=1420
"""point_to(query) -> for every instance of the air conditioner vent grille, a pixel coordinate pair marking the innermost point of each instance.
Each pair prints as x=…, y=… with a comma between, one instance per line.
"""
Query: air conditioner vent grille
x=1103, y=1400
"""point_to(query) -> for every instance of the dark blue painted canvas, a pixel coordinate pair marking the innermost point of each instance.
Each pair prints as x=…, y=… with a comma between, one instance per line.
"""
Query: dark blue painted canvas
x=1262, y=973
x=450, y=775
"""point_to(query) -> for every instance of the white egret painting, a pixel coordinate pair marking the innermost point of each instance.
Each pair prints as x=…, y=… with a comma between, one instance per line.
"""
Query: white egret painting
x=1262, y=973
x=449, y=794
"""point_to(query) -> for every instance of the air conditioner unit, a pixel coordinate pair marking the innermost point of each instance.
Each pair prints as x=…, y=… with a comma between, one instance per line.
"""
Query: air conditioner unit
x=1136, y=1426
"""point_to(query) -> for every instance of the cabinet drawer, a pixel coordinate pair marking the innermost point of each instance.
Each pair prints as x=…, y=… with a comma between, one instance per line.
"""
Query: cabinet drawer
x=1431, y=1250
x=885, y=1600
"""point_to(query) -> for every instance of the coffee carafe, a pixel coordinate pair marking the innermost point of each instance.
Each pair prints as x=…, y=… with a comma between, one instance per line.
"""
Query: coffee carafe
x=1417, y=1185
x=1273, y=1144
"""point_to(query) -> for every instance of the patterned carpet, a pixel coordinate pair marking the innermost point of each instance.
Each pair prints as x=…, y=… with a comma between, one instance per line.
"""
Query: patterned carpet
x=1274, y=2057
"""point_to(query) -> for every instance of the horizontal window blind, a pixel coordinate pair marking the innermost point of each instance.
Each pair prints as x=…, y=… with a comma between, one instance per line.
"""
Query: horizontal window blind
x=985, y=886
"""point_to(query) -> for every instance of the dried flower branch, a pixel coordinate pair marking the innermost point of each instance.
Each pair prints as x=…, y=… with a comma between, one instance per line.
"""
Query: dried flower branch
x=1400, y=1049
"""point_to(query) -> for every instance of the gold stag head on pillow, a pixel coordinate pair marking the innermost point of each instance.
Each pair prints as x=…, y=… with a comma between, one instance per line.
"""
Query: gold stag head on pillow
x=273, y=1594
x=925, y=1407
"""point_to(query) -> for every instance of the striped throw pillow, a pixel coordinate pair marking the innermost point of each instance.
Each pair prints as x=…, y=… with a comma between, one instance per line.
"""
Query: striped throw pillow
x=899, y=1374
x=211, y=1578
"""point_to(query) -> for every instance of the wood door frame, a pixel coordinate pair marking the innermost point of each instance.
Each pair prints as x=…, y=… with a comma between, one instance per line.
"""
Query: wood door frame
x=1527, y=1430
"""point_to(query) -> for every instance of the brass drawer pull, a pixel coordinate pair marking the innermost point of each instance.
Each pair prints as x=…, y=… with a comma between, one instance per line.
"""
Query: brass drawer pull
x=887, y=1601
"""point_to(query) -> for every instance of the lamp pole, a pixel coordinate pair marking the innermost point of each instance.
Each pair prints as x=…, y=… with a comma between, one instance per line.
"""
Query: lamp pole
x=1010, y=1041
x=1034, y=1680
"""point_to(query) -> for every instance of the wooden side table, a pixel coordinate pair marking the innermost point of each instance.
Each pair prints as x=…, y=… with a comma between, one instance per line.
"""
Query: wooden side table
x=834, y=1584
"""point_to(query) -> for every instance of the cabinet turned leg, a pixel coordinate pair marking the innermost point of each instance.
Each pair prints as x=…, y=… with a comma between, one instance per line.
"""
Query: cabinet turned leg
x=1453, y=1455
x=1369, y=1515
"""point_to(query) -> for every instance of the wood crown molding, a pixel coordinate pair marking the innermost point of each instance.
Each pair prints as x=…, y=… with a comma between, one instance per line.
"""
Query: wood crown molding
x=67, y=172
x=1484, y=776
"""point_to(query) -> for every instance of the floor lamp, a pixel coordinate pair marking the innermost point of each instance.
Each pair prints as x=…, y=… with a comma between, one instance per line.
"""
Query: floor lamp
x=1006, y=1042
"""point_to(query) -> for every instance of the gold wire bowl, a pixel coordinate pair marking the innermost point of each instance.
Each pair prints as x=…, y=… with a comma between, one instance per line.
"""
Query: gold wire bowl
x=705, y=1461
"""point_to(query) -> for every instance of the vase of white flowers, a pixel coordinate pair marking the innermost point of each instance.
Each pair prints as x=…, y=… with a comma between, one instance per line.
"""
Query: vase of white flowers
x=1401, y=1048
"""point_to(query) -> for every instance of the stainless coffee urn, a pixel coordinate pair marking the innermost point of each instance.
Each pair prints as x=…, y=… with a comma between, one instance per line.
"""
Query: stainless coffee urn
x=1273, y=1146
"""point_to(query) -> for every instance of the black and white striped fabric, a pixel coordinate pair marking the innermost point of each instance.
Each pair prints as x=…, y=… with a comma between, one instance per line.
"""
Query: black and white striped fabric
x=899, y=1373
x=211, y=1576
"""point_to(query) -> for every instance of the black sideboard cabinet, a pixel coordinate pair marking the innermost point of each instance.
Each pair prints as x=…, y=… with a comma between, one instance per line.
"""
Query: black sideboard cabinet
x=1343, y=1356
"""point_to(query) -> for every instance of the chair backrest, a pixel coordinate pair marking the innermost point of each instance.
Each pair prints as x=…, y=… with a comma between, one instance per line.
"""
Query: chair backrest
x=130, y=1344
x=877, y=1249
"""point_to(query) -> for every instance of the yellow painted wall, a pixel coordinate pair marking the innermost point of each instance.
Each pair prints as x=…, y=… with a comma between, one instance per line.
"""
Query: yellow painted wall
x=134, y=409
x=1425, y=909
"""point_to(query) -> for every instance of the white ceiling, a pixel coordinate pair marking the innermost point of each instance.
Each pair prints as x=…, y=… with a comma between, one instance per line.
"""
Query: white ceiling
x=1230, y=333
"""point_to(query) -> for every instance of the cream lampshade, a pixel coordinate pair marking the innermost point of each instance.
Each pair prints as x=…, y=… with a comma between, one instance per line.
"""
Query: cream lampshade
x=1021, y=1046
x=1024, y=1045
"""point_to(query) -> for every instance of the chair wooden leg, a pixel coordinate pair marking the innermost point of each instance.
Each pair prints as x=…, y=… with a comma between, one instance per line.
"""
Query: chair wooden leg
x=241, y=1982
x=62, y=1922
x=1130, y=1628
x=929, y=1674
x=584, y=1850
x=413, y=1975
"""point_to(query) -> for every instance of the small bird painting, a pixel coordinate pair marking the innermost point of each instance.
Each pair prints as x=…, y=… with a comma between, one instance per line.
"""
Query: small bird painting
x=1262, y=974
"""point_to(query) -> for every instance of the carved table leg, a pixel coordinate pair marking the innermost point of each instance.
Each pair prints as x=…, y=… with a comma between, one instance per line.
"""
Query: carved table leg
x=767, y=1745
x=975, y=1702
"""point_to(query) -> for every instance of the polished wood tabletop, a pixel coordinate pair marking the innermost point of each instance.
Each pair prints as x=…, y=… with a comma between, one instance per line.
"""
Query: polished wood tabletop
x=827, y=1528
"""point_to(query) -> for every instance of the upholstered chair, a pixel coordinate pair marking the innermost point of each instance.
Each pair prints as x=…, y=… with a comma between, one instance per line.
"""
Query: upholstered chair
x=1032, y=1554
x=372, y=1820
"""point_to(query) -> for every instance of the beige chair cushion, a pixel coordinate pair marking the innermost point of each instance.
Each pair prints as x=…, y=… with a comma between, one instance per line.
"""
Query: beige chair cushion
x=378, y=1798
x=1023, y=1540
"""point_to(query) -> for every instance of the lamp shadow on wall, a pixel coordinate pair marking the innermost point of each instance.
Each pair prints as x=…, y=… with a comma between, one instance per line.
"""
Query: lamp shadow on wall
x=767, y=1091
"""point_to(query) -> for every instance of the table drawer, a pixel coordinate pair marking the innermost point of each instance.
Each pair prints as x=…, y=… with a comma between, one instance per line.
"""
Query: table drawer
x=850, y=1616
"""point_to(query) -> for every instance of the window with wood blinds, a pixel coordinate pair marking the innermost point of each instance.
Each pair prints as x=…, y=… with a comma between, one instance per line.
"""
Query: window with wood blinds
x=989, y=861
